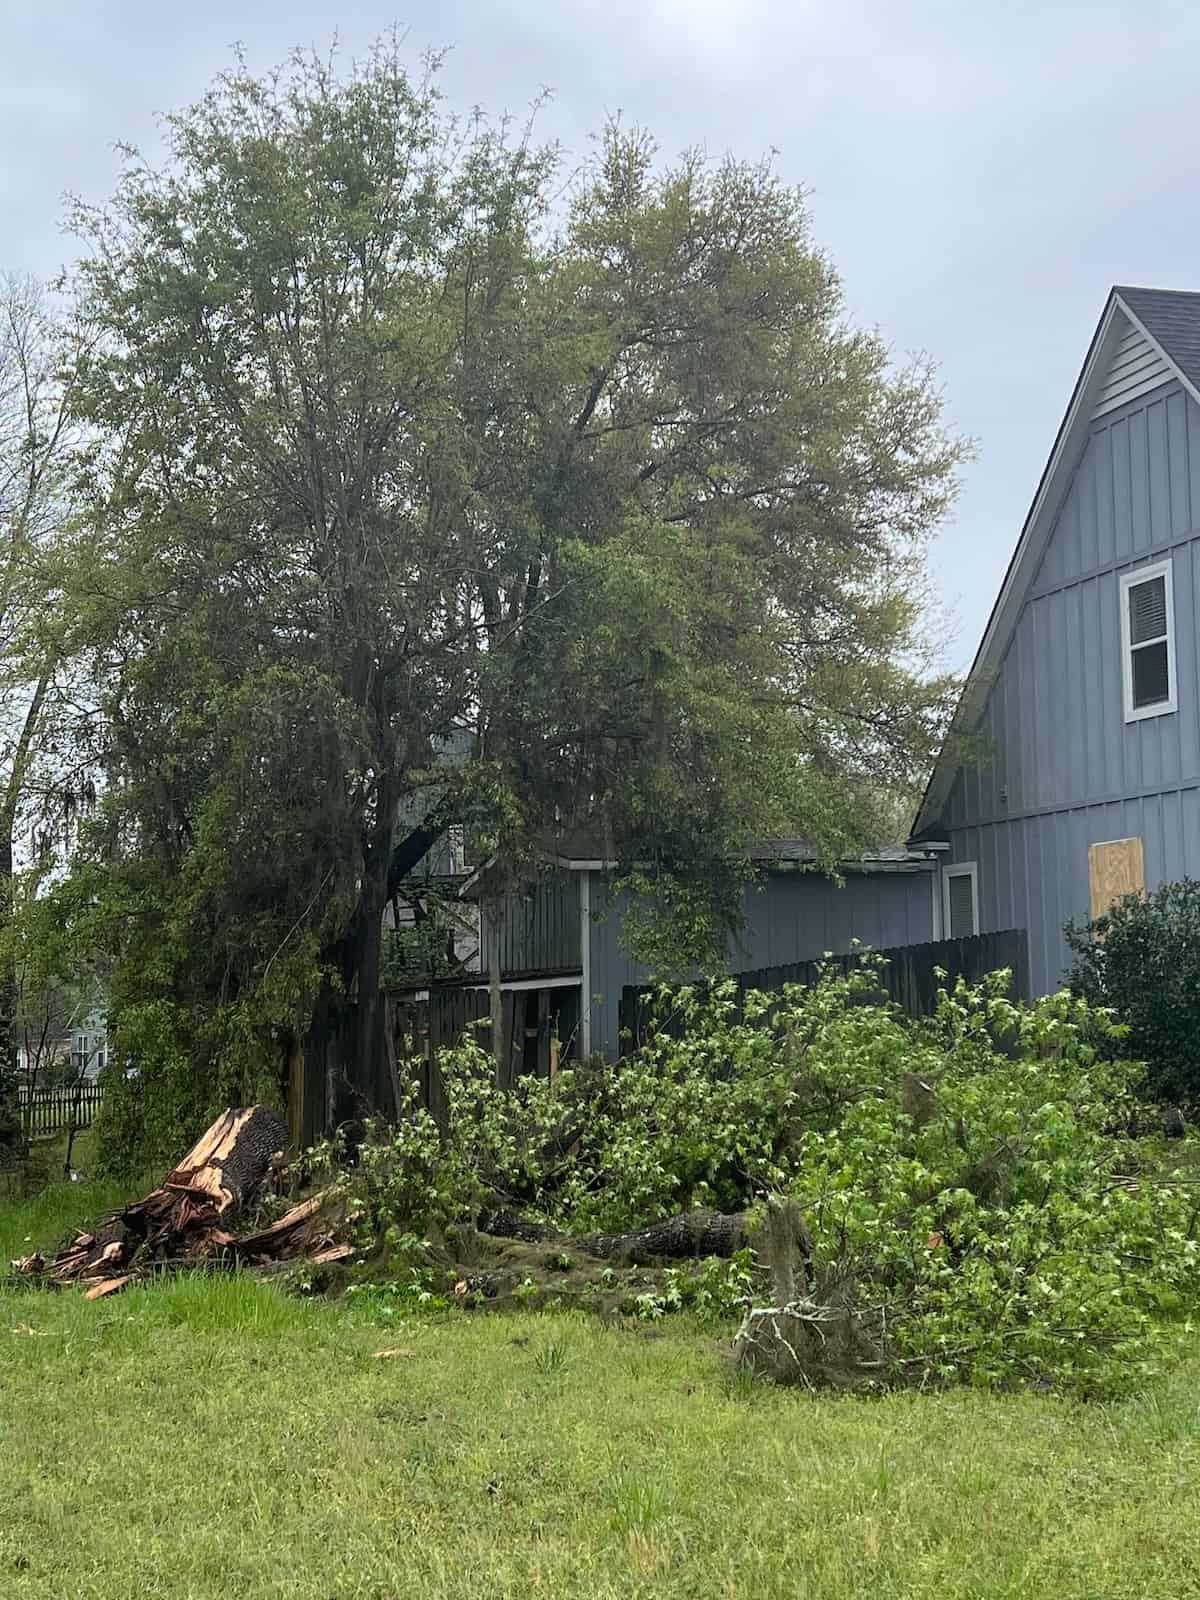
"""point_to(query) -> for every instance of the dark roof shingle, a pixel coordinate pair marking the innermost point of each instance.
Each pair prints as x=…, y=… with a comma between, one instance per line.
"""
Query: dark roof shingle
x=1172, y=318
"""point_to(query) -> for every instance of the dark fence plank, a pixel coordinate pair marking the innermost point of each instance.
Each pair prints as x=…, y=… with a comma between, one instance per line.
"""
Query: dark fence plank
x=49, y=1111
x=907, y=978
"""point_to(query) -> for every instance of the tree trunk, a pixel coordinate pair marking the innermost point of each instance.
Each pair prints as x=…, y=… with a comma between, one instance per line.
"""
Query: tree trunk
x=368, y=1036
x=410, y=851
x=354, y=1054
x=11, y=1134
x=693, y=1234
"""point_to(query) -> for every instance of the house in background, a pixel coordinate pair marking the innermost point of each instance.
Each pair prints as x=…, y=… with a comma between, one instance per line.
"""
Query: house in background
x=89, y=1043
x=60, y=1031
x=791, y=913
x=44, y=1026
x=1085, y=692
x=558, y=943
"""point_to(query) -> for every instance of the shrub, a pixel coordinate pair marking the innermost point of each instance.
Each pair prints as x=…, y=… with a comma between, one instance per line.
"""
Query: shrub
x=994, y=1228
x=1142, y=959
x=959, y=1177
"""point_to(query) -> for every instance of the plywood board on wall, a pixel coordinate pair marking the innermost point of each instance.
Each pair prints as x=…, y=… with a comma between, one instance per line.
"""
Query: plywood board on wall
x=1115, y=868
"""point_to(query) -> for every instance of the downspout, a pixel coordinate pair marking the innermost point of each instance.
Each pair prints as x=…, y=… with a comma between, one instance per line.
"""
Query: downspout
x=491, y=926
x=585, y=961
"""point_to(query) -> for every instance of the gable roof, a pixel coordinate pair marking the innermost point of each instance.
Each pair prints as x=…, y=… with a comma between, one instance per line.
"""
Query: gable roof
x=1145, y=338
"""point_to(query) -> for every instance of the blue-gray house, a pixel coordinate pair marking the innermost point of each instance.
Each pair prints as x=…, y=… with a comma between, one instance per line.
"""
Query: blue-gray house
x=1085, y=693
x=791, y=913
x=558, y=943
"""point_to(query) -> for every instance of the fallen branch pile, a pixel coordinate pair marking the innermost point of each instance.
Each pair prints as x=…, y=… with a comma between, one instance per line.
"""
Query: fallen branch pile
x=189, y=1217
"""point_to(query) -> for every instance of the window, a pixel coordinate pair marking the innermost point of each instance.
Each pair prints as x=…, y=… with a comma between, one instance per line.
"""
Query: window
x=960, y=887
x=1148, y=641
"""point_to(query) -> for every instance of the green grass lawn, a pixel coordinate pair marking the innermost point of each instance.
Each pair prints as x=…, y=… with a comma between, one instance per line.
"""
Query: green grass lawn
x=209, y=1438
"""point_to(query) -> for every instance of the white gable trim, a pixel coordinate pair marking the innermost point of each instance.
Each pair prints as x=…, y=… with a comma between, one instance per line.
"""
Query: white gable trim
x=1039, y=524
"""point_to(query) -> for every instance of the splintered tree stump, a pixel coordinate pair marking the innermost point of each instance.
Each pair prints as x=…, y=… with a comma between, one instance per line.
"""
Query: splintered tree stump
x=187, y=1217
x=220, y=1175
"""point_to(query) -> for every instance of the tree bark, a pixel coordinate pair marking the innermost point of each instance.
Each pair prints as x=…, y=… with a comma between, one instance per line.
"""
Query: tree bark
x=11, y=1132
x=368, y=949
x=411, y=850
x=692, y=1234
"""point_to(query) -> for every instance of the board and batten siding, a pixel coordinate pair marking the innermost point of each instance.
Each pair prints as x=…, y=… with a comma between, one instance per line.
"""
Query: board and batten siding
x=540, y=927
x=791, y=916
x=1059, y=768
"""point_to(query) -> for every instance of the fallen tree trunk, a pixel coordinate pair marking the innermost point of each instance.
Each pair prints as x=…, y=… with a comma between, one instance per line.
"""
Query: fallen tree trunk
x=691, y=1234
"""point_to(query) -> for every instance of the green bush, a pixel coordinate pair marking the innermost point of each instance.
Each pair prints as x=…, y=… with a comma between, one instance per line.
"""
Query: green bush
x=989, y=1219
x=1142, y=959
x=959, y=1177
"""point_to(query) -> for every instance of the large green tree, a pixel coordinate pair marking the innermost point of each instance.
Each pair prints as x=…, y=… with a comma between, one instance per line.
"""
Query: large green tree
x=400, y=434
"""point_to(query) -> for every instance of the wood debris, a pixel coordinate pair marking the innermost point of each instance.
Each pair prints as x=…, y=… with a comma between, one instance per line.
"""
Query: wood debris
x=192, y=1215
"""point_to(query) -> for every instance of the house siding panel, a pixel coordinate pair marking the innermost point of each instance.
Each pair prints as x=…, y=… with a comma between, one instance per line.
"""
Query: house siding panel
x=539, y=930
x=1177, y=464
x=793, y=916
x=1061, y=768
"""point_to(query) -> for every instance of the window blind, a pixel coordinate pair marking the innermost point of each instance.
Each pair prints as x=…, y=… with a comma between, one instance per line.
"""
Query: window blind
x=961, y=894
x=1148, y=611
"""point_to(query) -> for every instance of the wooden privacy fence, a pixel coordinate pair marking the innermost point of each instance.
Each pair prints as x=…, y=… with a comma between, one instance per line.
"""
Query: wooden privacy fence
x=908, y=978
x=538, y=1027
x=48, y=1111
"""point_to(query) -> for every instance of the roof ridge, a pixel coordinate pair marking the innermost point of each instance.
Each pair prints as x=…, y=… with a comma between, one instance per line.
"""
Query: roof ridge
x=1149, y=288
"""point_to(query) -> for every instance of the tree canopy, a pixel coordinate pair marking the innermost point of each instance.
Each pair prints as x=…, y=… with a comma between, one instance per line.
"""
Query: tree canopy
x=399, y=433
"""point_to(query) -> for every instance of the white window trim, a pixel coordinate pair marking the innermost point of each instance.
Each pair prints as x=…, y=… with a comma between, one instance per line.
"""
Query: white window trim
x=960, y=869
x=1160, y=569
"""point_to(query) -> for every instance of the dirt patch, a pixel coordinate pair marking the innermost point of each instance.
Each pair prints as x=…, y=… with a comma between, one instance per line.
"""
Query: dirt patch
x=493, y=1274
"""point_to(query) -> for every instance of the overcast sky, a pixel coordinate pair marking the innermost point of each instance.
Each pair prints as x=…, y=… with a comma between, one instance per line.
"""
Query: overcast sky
x=980, y=171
